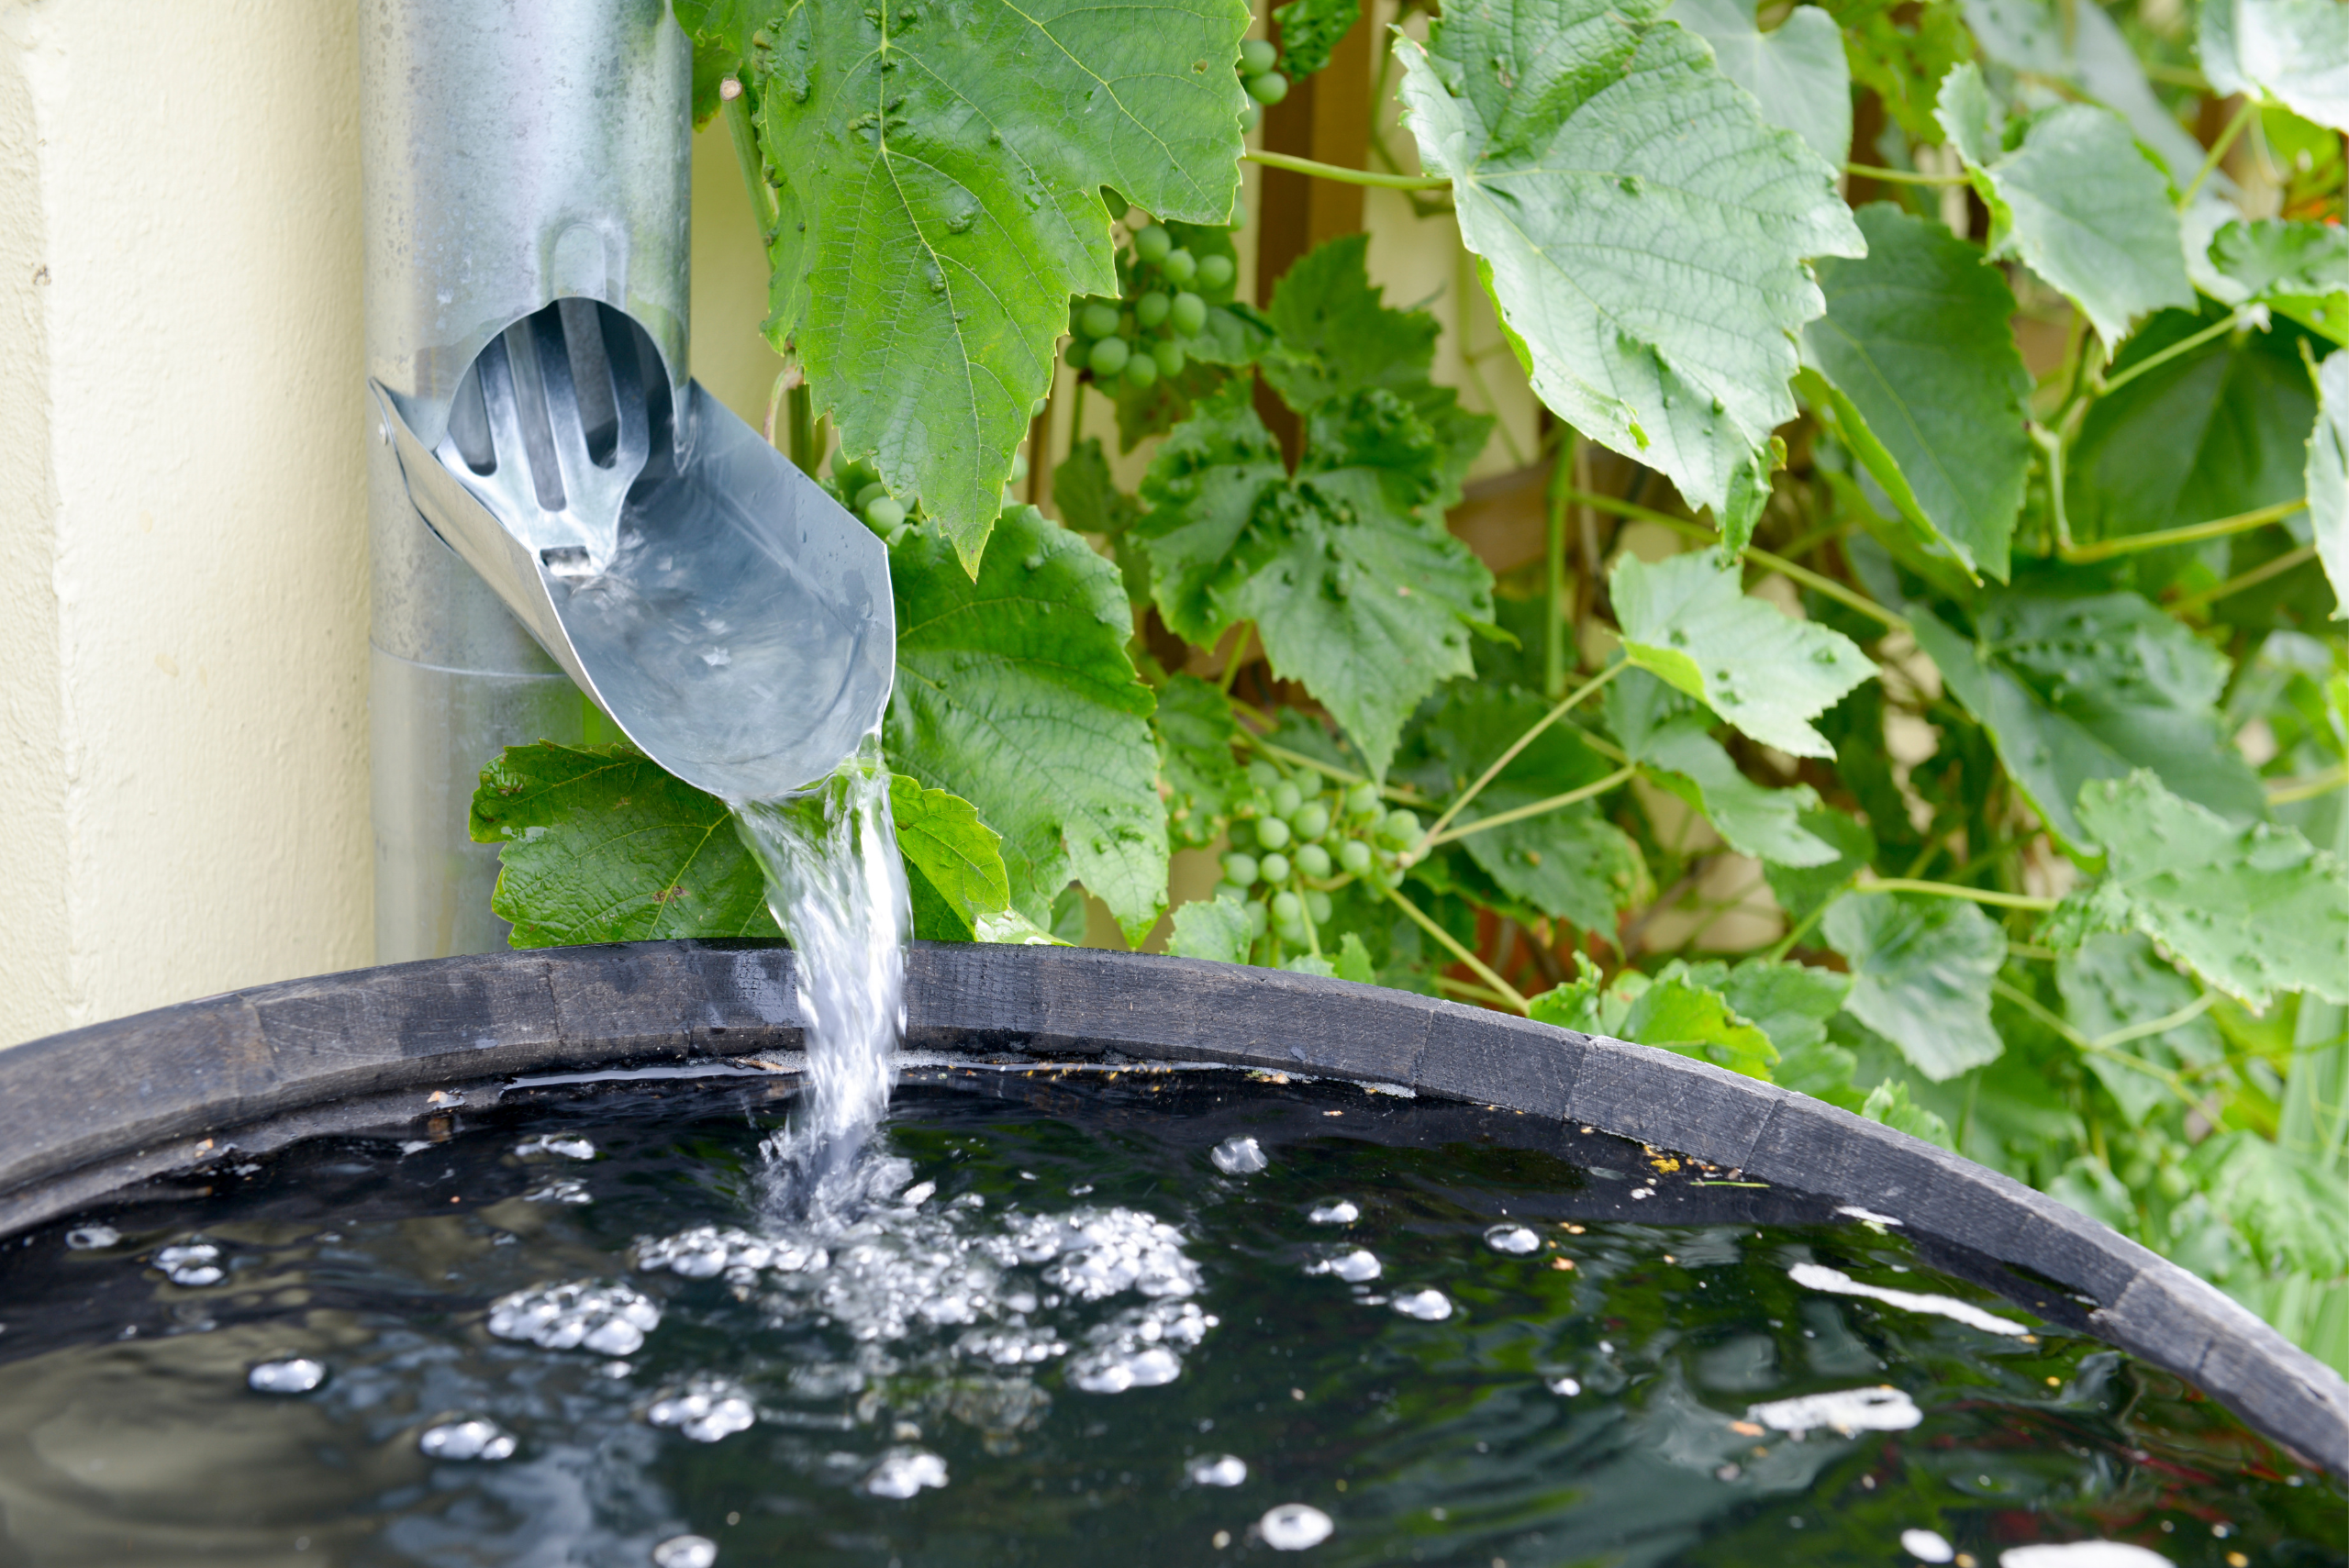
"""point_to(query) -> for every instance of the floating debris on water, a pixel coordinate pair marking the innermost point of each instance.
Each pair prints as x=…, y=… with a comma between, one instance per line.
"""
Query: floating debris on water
x=570, y=1145
x=686, y=1552
x=707, y=1409
x=1428, y=1306
x=1292, y=1527
x=904, y=1471
x=1218, y=1470
x=1926, y=1546
x=1880, y=1409
x=296, y=1374
x=192, y=1263
x=1340, y=1211
x=91, y=1237
x=1514, y=1238
x=1238, y=1157
x=611, y=1319
x=472, y=1437
x=1355, y=1266
x=1817, y=1276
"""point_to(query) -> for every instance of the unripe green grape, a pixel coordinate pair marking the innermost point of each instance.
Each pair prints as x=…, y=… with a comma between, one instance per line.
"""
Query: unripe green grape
x=1240, y=867
x=1311, y=822
x=1100, y=321
x=1180, y=265
x=1272, y=832
x=1140, y=370
x=1262, y=774
x=1401, y=828
x=1109, y=356
x=1251, y=118
x=1276, y=867
x=884, y=515
x=1293, y=933
x=870, y=494
x=1169, y=355
x=1313, y=860
x=1287, y=798
x=1269, y=88
x=1287, y=907
x=1189, y=313
x=1231, y=890
x=1257, y=921
x=2171, y=1183
x=1362, y=801
x=1151, y=308
x=1258, y=56
x=1317, y=904
x=1019, y=467
x=1215, y=272
x=1036, y=409
x=1077, y=352
x=1354, y=856
x=1152, y=243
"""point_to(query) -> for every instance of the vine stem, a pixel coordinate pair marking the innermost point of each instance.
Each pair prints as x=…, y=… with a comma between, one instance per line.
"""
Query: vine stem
x=1904, y=176
x=1450, y=944
x=1778, y=564
x=2251, y=579
x=1518, y=814
x=1554, y=568
x=1231, y=665
x=1435, y=831
x=2218, y=151
x=1339, y=174
x=2185, y=345
x=2103, y=1047
x=2129, y=544
x=1953, y=890
x=2283, y=792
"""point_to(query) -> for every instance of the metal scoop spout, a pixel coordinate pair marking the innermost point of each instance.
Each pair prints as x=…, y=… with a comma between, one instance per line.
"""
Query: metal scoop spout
x=730, y=616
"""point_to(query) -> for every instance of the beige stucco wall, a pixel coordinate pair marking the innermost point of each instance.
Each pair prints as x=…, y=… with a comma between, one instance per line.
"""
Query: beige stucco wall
x=183, y=544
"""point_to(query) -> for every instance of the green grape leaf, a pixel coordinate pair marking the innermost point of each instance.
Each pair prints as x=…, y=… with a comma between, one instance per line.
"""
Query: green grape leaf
x=1795, y=71
x=1889, y=1103
x=1791, y=1003
x=2299, y=270
x=2073, y=687
x=1687, y=620
x=2219, y=430
x=1334, y=335
x=1354, y=961
x=2077, y=203
x=2116, y=982
x=1196, y=769
x=1016, y=693
x=1090, y=502
x=2292, y=52
x=2085, y=47
x=1921, y=975
x=1679, y=1015
x=938, y=209
x=1310, y=29
x=1581, y=1003
x=1353, y=591
x=601, y=844
x=1927, y=385
x=1801, y=889
x=2290, y=1210
x=1213, y=929
x=2253, y=910
x=1592, y=148
x=951, y=857
x=1750, y=819
x=1903, y=52
x=2326, y=475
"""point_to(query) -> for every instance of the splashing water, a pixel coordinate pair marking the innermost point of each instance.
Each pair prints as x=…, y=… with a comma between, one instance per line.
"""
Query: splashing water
x=839, y=892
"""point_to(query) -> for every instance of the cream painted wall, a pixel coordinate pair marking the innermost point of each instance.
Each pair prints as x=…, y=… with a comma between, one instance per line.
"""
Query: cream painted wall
x=182, y=541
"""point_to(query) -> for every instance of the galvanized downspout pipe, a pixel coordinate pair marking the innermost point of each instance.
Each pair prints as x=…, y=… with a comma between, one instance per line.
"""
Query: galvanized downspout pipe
x=513, y=154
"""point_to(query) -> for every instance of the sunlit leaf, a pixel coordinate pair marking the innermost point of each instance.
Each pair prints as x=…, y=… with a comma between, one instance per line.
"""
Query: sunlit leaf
x=1921, y=975
x=1795, y=71
x=2293, y=52
x=2326, y=475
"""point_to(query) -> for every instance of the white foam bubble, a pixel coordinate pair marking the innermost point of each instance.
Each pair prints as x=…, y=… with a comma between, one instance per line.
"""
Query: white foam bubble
x=194, y=1264
x=1879, y=1410
x=1514, y=1238
x=686, y=1552
x=1817, y=1276
x=1216, y=1470
x=1926, y=1546
x=1140, y=1348
x=902, y=1472
x=1354, y=1266
x=1338, y=1211
x=1567, y=1387
x=1238, y=1157
x=296, y=1374
x=1428, y=1306
x=1292, y=1527
x=568, y=1190
x=2081, y=1554
x=570, y=1146
x=611, y=1319
x=92, y=1238
x=471, y=1438
x=706, y=1409
x=707, y=1251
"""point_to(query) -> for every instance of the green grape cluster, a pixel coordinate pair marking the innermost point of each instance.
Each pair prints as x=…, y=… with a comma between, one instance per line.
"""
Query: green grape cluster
x=1142, y=337
x=1296, y=839
x=1264, y=84
x=859, y=487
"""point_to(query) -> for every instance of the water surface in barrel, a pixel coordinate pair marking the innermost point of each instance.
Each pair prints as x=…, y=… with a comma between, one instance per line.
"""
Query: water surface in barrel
x=1118, y=1315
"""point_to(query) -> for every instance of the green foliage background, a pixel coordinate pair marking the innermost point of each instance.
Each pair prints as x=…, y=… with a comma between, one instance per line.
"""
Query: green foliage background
x=2024, y=694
